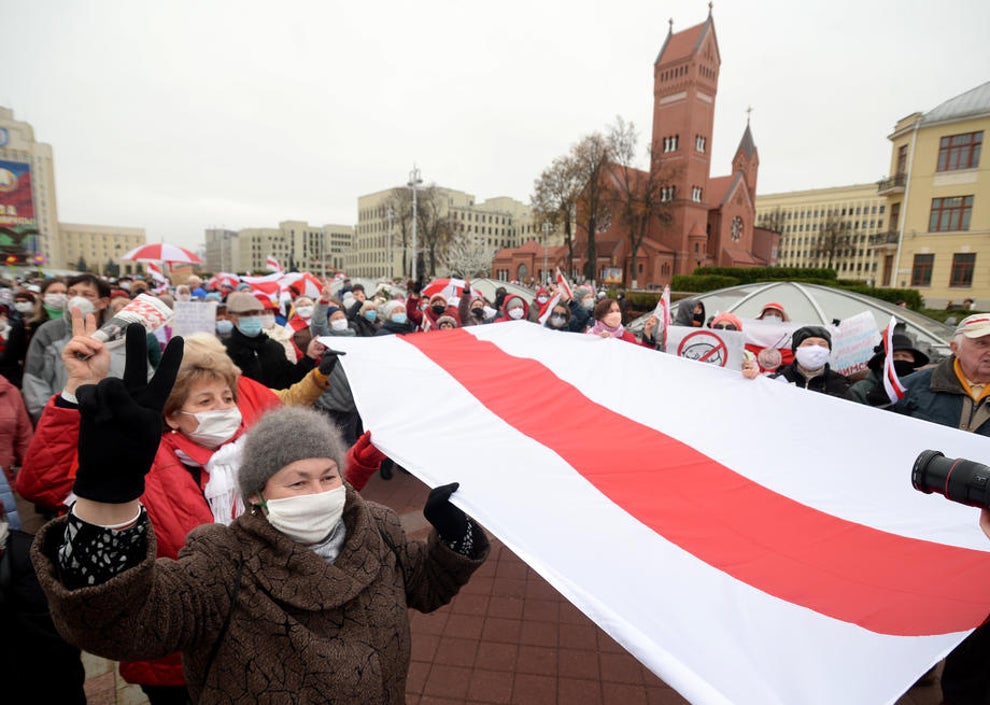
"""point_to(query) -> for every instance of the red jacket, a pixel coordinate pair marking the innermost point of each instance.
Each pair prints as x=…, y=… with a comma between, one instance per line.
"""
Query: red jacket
x=172, y=496
x=15, y=428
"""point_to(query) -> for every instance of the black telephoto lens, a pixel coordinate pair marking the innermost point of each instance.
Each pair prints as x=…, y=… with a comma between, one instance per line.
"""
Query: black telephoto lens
x=960, y=480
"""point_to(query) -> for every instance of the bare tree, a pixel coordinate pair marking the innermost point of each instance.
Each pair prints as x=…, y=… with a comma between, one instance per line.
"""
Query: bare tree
x=591, y=158
x=435, y=230
x=635, y=196
x=774, y=220
x=400, y=203
x=834, y=237
x=554, y=200
x=470, y=257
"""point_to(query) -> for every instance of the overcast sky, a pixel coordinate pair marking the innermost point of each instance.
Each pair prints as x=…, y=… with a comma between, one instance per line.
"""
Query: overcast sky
x=183, y=115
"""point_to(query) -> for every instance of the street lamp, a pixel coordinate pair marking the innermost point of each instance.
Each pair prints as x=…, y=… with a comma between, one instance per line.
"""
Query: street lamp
x=546, y=234
x=390, y=216
x=414, y=183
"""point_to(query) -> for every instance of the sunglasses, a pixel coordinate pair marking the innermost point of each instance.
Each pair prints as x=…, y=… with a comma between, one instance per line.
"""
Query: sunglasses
x=725, y=326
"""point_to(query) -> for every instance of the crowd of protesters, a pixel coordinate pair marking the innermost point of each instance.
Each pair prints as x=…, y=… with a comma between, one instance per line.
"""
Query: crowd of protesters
x=265, y=354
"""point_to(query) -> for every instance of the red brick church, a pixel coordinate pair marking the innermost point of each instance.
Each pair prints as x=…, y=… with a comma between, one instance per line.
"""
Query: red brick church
x=712, y=218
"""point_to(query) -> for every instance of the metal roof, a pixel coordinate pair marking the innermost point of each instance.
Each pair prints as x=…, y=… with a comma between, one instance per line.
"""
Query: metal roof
x=970, y=104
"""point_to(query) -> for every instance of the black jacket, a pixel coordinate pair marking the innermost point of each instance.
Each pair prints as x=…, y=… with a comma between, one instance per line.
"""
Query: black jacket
x=263, y=360
x=829, y=382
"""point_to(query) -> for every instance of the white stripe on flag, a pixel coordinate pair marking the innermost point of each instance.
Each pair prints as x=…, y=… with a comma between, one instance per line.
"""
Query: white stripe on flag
x=714, y=638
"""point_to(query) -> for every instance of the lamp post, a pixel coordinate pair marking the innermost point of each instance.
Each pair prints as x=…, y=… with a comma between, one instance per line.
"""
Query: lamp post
x=546, y=235
x=414, y=182
x=390, y=216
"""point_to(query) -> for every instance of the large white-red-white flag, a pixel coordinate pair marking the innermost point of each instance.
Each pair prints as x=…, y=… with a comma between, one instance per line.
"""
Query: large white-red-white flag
x=156, y=272
x=272, y=265
x=750, y=542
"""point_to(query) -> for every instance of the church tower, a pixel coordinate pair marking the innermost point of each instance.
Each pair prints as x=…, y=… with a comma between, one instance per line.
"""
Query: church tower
x=747, y=161
x=685, y=82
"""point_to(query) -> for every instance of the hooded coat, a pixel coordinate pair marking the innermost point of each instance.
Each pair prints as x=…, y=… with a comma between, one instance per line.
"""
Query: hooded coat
x=300, y=630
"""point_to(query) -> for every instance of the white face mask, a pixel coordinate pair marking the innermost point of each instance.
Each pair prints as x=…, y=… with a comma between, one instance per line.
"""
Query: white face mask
x=812, y=357
x=772, y=317
x=268, y=322
x=516, y=313
x=339, y=324
x=489, y=312
x=24, y=306
x=305, y=312
x=588, y=303
x=215, y=427
x=82, y=303
x=307, y=518
x=55, y=300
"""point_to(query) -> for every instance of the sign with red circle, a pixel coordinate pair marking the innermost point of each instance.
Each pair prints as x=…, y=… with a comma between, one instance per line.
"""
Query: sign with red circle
x=704, y=346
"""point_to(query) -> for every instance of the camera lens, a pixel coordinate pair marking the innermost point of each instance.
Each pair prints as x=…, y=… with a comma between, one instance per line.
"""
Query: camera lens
x=963, y=481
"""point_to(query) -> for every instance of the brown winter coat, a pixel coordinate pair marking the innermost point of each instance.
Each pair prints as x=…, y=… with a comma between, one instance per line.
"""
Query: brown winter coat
x=302, y=630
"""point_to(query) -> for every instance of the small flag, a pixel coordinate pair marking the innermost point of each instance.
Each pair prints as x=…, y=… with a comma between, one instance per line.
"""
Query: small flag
x=662, y=313
x=563, y=285
x=272, y=265
x=891, y=383
x=156, y=272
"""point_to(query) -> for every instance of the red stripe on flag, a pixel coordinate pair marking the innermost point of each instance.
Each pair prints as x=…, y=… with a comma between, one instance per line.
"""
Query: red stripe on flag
x=883, y=582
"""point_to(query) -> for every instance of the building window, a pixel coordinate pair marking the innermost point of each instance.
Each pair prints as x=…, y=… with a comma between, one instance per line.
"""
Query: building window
x=667, y=193
x=963, y=264
x=950, y=214
x=699, y=143
x=921, y=272
x=670, y=143
x=696, y=194
x=959, y=151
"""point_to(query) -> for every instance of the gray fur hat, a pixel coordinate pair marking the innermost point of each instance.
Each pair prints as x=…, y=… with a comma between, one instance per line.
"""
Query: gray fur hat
x=283, y=436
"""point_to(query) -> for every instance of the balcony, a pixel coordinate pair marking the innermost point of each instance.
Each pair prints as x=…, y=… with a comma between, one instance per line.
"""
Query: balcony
x=884, y=239
x=892, y=185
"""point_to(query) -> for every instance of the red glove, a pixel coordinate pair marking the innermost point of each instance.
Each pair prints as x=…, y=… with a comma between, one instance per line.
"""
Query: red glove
x=363, y=461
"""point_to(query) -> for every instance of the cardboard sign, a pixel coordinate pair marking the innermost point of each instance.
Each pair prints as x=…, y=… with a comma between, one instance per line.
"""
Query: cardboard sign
x=853, y=342
x=195, y=317
x=723, y=348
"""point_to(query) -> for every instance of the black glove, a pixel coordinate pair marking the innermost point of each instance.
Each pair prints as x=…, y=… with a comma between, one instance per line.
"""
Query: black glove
x=120, y=423
x=329, y=360
x=449, y=521
x=415, y=287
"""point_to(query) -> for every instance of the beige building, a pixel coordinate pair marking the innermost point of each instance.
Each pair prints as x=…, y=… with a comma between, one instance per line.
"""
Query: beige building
x=383, y=237
x=98, y=248
x=833, y=228
x=294, y=243
x=938, y=197
x=27, y=192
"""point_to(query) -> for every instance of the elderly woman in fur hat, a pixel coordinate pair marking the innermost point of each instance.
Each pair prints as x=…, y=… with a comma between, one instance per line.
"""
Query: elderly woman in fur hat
x=192, y=477
x=303, y=596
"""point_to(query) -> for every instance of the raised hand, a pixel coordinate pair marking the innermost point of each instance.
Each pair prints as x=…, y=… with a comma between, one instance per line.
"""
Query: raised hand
x=120, y=423
x=86, y=359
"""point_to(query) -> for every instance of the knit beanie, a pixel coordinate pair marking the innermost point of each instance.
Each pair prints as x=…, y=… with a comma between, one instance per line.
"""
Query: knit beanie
x=446, y=319
x=805, y=332
x=283, y=436
x=392, y=306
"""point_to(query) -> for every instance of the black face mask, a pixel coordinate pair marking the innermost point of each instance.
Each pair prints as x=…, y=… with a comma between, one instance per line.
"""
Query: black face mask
x=438, y=309
x=903, y=368
x=698, y=319
x=478, y=312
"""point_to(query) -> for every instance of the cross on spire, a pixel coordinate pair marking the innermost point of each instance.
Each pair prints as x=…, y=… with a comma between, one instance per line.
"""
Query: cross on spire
x=748, y=111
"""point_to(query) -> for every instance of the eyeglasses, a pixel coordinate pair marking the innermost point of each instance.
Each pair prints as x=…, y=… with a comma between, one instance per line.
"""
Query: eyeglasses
x=725, y=326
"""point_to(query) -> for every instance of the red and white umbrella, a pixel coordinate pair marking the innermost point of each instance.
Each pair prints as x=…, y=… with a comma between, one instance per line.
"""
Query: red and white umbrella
x=446, y=287
x=161, y=252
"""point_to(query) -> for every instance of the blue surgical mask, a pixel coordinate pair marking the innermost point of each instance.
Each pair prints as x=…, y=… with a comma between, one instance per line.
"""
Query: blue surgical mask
x=250, y=326
x=225, y=327
x=399, y=318
x=371, y=315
